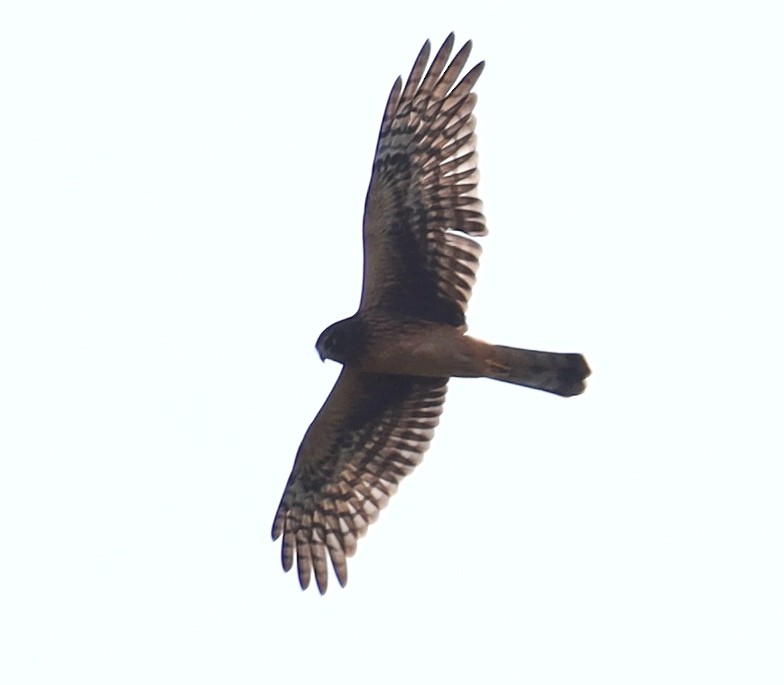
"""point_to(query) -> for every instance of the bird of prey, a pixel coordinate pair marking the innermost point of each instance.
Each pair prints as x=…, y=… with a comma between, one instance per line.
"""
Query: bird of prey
x=408, y=336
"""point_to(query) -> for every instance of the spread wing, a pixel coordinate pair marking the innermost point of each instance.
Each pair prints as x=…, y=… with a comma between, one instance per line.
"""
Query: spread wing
x=423, y=191
x=371, y=432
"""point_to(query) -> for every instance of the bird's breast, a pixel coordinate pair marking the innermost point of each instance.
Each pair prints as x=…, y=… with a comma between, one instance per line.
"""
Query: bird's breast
x=422, y=350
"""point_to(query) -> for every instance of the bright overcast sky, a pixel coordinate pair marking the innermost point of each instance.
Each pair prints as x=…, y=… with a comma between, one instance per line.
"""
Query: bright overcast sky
x=181, y=192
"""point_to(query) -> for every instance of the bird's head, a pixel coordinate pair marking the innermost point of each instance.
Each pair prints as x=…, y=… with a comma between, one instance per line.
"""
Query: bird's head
x=342, y=341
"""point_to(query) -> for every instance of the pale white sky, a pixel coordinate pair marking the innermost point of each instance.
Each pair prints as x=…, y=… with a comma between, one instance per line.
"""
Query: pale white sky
x=181, y=188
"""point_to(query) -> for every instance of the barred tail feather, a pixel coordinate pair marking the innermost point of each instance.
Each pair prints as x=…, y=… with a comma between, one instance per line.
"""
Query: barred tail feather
x=562, y=373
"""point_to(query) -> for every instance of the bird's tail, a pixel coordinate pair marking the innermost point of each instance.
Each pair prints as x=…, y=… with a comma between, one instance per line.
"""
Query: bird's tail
x=557, y=372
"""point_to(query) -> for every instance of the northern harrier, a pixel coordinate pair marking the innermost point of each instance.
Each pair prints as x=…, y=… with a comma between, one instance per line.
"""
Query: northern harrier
x=408, y=336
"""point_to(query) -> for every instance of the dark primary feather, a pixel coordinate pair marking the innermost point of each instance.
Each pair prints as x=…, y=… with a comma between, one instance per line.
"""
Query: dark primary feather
x=423, y=194
x=371, y=432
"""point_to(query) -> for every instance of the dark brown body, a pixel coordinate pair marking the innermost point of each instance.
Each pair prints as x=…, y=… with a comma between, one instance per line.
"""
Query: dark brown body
x=408, y=338
x=376, y=341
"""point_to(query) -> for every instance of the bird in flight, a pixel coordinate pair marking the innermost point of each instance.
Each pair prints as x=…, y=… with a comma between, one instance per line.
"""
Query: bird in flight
x=408, y=336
